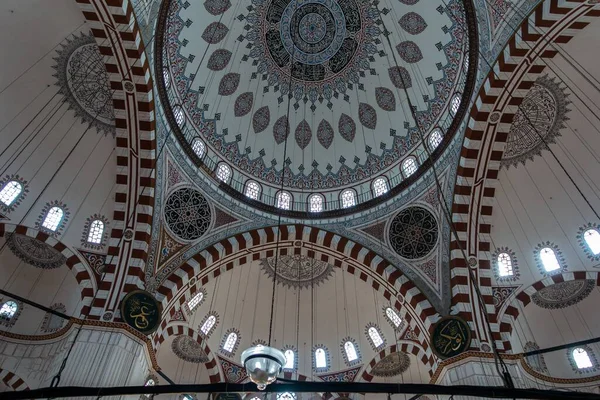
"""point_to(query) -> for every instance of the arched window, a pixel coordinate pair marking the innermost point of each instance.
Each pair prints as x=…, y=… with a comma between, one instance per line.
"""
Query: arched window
x=316, y=203
x=230, y=342
x=350, y=349
x=320, y=358
x=435, y=138
x=380, y=186
x=348, y=198
x=252, y=190
x=179, y=116
x=409, y=166
x=290, y=359
x=505, y=267
x=454, y=104
x=549, y=260
x=286, y=396
x=195, y=301
x=284, y=201
x=96, y=232
x=375, y=337
x=8, y=310
x=166, y=77
x=393, y=318
x=208, y=324
x=150, y=382
x=53, y=218
x=592, y=239
x=52, y=322
x=223, y=172
x=582, y=358
x=10, y=192
x=199, y=147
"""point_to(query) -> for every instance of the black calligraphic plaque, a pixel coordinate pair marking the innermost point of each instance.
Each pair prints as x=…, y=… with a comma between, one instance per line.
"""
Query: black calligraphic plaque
x=450, y=337
x=141, y=311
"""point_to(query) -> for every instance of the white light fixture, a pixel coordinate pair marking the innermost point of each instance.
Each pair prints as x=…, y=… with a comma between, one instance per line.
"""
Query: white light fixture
x=263, y=364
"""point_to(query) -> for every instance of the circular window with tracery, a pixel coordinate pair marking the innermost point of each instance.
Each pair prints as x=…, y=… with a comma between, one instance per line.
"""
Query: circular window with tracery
x=187, y=213
x=413, y=232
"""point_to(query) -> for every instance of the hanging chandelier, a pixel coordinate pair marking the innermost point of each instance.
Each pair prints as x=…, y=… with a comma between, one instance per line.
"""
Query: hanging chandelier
x=263, y=364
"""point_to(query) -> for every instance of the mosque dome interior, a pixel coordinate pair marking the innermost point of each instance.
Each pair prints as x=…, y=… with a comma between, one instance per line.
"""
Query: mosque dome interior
x=398, y=197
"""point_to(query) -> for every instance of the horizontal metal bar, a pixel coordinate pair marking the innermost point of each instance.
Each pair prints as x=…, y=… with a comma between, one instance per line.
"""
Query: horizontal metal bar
x=34, y=304
x=561, y=347
x=303, y=387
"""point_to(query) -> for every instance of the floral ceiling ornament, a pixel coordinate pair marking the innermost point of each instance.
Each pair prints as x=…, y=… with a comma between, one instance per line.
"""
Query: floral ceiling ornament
x=391, y=365
x=187, y=213
x=35, y=252
x=537, y=122
x=83, y=81
x=189, y=350
x=413, y=232
x=297, y=270
x=563, y=294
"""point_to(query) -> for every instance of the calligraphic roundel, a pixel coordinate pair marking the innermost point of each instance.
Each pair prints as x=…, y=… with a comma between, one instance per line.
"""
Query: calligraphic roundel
x=450, y=337
x=141, y=311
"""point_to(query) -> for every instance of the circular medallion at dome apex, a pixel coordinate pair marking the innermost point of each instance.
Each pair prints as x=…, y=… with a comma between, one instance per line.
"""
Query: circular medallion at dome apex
x=34, y=252
x=297, y=270
x=189, y=350
x=187, y=213
x=413, y=233
x=350, y=96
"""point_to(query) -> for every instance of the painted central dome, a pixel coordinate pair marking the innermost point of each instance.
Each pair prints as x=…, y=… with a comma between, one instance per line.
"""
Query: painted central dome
x=314, y=92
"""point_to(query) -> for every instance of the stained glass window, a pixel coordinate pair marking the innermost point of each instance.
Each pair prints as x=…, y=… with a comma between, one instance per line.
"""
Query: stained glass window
x=592, y=239
x=10, y=192
x=96, y=231
x=409, y=166
x=8, y=310
x=320, y=358
x=316, y=203
x=549, y=259
x=208, y=324
x=582, y=358
x=393, y=317
x=350, y=351
x=53, y=218
x=229, y=344
x=505, y=267
x=435, y=138
x=348, y=198
x=252, y=190
x=375, y=336
x=199, y=147
x=284, y=200
x=380, y=186
x=195, y=301
x=179, y=116
x=289, y=359
x=455, y=104
x=223, y=172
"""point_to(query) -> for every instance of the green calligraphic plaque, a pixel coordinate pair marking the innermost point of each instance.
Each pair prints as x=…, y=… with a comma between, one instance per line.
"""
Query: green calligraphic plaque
x=450, y=337
x=141, y=311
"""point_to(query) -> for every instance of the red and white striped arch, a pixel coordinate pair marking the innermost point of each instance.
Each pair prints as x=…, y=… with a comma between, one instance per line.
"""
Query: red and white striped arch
x=113, y=24
x=514, y=73
x=316, y=243
x=85, y=276
x=508, y=315
x=178, y=328
x=12, y=381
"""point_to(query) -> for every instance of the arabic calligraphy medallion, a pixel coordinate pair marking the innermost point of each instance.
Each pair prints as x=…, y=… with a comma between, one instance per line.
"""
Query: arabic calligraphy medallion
x=141, y=311
x=450, y=337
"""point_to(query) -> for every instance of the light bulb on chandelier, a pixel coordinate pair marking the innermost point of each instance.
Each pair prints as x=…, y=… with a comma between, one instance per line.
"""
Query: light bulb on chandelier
x=263, y=364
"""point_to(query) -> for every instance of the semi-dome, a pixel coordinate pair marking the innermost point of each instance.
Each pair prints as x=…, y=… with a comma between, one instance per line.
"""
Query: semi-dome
x=314, y=97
